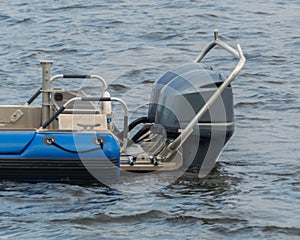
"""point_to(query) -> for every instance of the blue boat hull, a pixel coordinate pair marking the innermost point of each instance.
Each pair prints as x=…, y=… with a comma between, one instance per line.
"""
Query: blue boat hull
x=58, y=156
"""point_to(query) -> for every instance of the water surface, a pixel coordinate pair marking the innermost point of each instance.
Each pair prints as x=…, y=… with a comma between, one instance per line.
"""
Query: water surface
x=253, y=193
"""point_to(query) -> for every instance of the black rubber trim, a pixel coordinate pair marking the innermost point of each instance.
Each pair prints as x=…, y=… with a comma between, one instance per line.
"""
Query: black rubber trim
x=75, y=76
x=136, y=122
x=99, y=99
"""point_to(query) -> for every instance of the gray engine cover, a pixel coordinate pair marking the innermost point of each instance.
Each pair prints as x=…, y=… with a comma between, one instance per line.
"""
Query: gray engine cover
x=177, y=97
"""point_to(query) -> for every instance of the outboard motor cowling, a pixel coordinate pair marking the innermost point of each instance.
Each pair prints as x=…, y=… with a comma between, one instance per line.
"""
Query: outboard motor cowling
x=179, y=95
x=191, y=110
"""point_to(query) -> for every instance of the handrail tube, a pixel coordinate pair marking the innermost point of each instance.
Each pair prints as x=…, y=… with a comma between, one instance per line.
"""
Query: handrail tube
x=58, y=112
x=212, y=45
x=75, y=76
x=205, y=52
x=34, y=96
x=101, y=99
x=126, y=114
x=125, y=128
x=80, y=76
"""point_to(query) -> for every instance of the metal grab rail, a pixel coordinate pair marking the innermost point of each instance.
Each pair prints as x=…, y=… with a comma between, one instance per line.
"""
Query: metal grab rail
x=177, y=143
x=217, y=41
x=101, y=79
x=52, y=79
x=34, y=96
x=98, y=99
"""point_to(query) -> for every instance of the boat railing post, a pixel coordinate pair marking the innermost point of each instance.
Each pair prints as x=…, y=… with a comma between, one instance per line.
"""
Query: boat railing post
x=46, y=89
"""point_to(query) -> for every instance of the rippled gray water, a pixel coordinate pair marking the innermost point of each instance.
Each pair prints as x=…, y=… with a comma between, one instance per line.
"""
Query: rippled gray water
x=254, y=190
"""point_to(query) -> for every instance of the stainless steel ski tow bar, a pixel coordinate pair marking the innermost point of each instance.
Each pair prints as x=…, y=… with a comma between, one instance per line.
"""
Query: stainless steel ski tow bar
x=177, y=143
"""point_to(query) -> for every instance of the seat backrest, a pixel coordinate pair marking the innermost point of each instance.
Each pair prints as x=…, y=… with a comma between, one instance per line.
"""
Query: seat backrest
x=82, y=121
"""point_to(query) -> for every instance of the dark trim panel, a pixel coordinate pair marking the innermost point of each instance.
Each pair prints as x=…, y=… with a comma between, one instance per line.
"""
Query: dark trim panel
x=55, y=170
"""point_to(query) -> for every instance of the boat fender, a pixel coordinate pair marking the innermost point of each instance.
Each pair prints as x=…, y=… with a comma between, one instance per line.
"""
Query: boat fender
x=107, y=109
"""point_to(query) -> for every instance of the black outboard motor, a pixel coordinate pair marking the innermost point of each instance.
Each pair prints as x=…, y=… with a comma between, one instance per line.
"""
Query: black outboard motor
x=178, y=96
